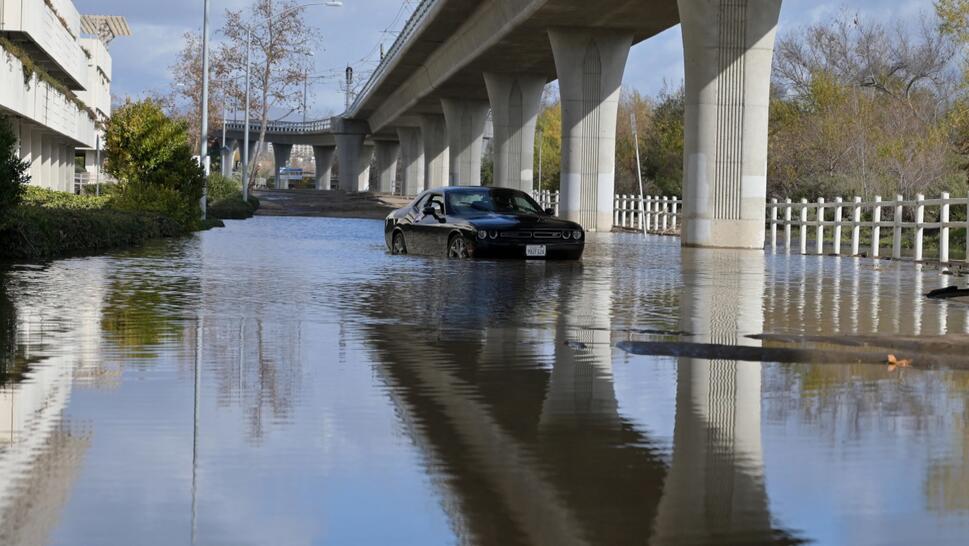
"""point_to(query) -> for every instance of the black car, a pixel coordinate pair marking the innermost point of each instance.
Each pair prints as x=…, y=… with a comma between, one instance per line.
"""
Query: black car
x=466, y=222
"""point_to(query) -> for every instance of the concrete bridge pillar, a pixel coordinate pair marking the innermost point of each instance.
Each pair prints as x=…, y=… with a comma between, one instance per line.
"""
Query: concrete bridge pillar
x=281, y=153
x=228, y=153
x=465, y=129
x=68, y=168
x=387, y=152
x=515, y=103
x=412, y=160
x=324, y=165
x=590, y=65
x=436, y=156
x=354, y=160
x=728, y=47
x=37, y=156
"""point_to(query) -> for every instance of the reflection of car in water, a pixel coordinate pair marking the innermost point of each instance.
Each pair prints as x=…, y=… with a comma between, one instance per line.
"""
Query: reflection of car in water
x=465, y=222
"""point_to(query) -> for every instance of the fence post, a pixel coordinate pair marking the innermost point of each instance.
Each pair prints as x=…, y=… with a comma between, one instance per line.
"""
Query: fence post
x=876, y=227
x=820, y=232
x=622, y=199
x=804, y=216
x=615, y=210
x=919, y=230
x=787, y=224
x=856, y=227
x=666, y=213
x=773, y=224
x=944, y=229
x=897, y=233
x=674, y=218
x=641, y=207
x=837, y=225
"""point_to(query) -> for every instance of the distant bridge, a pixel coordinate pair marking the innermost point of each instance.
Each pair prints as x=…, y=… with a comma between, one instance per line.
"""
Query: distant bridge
x=427, y=103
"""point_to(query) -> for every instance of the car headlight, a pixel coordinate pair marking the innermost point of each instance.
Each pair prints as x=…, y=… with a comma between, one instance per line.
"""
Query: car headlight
x=577, y=234
x=493, y=234
x=566, y=235
x=482, y=234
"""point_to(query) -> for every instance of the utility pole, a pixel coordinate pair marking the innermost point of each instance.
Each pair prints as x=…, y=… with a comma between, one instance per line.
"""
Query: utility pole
x=245, y=130
x=541, y=146
x=639, y=171
x=204, y=132
x=349, y=89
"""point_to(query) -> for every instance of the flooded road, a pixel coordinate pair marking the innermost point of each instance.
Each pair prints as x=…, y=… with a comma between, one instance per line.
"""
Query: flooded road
x=286, y=381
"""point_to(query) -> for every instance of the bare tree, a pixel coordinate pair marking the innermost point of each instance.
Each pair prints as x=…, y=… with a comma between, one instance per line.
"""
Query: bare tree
x=185, y=97
x=282, y=45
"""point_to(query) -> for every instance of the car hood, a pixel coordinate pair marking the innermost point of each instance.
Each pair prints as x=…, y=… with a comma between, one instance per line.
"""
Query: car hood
x=513, y=221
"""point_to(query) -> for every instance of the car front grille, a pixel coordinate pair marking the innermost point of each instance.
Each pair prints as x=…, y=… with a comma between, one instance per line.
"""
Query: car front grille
x=537, y=234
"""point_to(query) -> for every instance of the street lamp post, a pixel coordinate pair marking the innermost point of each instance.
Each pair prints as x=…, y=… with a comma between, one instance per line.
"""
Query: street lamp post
x=204, y=132
x=245, y=148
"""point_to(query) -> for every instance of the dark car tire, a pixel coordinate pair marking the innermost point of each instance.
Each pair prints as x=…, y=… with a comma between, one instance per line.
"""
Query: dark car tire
x=398, y=245
x=458, y=247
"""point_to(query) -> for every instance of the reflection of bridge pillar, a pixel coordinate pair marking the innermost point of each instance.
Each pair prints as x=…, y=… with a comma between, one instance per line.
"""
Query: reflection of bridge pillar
x=728, y=47
x=465, y=128
x=412, y=160
x=354, y=159
x=281, y=153
x=581, y=387
x=590, y=67
x=386, y=152
x=515, y=102
x=715, y=486
x=228, y=153
x=434, y=135
x=324, y=165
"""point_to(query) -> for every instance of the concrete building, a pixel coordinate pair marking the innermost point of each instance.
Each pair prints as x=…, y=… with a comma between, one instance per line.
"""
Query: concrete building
x=56, y=103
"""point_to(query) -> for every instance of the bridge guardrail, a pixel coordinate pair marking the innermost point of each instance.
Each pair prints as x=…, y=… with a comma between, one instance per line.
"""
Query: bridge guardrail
x=420, y=12
x=284, y=127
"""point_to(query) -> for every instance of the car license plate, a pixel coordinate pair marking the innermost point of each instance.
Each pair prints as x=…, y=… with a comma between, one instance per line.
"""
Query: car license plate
x=535, y=251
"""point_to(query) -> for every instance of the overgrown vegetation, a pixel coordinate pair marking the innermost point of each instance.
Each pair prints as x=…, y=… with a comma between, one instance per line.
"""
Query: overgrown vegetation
x=13, y=171
x=149, y=154
x=225, y=199
x=53, y=224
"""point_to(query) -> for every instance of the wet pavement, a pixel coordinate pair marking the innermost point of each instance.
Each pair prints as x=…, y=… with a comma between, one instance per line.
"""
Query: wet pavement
x=286, y=381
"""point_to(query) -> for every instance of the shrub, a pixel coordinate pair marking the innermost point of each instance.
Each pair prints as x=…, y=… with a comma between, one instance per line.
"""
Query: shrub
x=42, y=197
x=13, y=171
x=222, y=187
x=150, y=155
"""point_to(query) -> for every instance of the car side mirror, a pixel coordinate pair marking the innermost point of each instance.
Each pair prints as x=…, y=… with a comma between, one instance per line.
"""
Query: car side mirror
x=550, y=212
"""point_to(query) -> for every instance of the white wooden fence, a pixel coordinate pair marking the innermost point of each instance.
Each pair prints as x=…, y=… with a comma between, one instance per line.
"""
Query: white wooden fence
x=855, y=216
x=660, y=214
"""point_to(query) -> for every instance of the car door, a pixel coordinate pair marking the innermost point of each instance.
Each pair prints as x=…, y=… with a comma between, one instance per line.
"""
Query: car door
x=430, y=227
x=409, y=224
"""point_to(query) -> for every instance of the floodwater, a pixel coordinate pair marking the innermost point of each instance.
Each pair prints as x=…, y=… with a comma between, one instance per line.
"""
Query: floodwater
x=286, y=381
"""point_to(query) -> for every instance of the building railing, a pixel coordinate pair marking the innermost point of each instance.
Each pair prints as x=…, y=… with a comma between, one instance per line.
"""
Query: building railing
x=282, y=127
x=868, y=218
x=657, y=213
x=390, y=57
x=81, y=180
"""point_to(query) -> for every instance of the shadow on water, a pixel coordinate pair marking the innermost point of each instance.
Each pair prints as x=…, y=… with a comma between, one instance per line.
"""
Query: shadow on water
x=531, y=446
x=8, y=335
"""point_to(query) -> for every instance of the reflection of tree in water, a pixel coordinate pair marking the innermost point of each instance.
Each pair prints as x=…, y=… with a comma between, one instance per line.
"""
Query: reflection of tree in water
x=137, y=316
x=8, y=334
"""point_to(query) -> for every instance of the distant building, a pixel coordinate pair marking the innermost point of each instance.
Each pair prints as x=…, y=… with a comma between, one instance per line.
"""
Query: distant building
x=55, y=85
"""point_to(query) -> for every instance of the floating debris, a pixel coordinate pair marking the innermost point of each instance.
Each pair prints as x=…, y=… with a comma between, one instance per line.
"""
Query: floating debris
x=577, y=345
x=948, y=292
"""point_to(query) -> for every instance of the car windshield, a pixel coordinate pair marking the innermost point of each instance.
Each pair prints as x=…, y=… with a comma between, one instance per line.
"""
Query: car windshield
x=496, y=200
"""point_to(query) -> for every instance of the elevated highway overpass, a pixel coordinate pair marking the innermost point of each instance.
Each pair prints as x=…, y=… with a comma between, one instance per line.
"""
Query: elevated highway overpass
x=427, y=103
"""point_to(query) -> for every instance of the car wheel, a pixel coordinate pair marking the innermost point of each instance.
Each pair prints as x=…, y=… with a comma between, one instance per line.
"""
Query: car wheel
x=458, y=248
x=398, y=245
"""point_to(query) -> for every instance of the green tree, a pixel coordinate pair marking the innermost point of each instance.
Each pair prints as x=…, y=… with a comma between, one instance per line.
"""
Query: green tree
x=151, y=155
x=663, y=152
x=548, y=137
x=13, y=171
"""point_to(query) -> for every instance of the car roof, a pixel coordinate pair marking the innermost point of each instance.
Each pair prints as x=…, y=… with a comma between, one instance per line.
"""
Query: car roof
x=466, y=189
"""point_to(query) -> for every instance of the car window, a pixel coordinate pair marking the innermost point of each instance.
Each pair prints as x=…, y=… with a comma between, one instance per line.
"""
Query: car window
x=491, y=200
x=421, y=202
x=437, y=201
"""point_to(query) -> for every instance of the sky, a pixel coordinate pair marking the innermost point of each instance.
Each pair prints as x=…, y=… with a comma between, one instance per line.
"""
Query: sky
x=351, y=34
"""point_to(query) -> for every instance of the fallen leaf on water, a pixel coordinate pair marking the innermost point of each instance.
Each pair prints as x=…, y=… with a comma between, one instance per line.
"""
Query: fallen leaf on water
x=894, y=362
